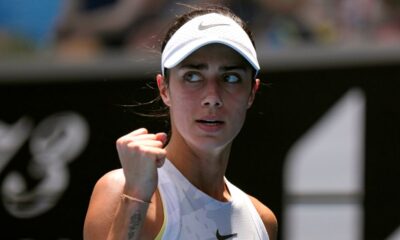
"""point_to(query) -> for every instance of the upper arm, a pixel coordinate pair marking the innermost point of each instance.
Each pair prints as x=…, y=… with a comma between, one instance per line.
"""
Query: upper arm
x=268, y=218
x=102, y=206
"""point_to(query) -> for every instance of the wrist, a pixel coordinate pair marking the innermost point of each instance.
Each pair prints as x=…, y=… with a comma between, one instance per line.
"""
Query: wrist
x=135, y=194
x=125, y=197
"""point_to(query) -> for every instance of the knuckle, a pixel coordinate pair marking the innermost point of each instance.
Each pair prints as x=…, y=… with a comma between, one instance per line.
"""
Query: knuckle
x=120, y=142
x=146, y=152
x=135, y=147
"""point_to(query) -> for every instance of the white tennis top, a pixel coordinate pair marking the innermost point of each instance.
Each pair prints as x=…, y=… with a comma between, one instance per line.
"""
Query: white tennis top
x=191, y=214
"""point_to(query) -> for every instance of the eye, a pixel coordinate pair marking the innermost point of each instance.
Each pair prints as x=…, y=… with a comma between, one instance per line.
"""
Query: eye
x=231, y=78
x=192, y=77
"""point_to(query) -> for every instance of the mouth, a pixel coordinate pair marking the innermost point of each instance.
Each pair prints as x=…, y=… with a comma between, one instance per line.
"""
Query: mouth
x=210, y=122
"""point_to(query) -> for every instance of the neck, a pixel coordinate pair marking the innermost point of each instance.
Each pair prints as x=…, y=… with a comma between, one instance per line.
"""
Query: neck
x=205, y=169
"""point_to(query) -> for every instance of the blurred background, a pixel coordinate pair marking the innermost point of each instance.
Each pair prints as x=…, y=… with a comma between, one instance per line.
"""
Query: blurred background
x=321, y=145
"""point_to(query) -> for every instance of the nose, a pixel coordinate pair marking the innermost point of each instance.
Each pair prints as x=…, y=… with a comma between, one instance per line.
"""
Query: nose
x=212, y=96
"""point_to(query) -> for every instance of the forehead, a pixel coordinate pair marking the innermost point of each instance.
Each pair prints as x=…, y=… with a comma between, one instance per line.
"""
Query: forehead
x=216, y=53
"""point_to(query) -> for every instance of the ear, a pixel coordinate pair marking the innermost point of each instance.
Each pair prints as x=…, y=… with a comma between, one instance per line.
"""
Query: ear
x=163, y=89
x=254, y=90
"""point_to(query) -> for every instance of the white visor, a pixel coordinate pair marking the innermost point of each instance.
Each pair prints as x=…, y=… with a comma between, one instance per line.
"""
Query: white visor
x=204, y=30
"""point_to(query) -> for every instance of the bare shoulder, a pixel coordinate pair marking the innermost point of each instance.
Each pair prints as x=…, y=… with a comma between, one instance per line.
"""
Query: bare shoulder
x=109, y=186
x=103, y=203
x=267, y=216
x=110, y=179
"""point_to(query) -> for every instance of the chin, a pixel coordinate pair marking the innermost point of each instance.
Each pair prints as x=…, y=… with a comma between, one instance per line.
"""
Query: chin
x=211, y=144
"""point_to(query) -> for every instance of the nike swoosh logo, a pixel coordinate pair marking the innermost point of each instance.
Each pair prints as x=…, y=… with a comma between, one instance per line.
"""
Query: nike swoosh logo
x=223, y=237
x=204, y=27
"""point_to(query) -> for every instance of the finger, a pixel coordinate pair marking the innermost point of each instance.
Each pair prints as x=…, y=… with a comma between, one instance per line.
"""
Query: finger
x=137, y=132
x=154, y=152
x=145, y=137
x=162, y=137
x=149, y=143
x=158, y=136
x=148, y=151
x=131, y=137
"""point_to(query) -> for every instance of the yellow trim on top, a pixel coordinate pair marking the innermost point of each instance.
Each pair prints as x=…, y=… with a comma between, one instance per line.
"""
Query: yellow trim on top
x=162, y=230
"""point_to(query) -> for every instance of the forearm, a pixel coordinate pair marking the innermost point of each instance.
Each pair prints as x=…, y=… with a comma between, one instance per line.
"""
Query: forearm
x=128, y=220
x=138, y=152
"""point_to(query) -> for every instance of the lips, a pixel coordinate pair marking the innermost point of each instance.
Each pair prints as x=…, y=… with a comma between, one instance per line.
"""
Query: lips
x=210, y=122
x=210, y=125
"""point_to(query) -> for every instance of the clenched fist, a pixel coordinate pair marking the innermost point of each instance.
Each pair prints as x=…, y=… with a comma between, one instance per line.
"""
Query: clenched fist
x=141, y=153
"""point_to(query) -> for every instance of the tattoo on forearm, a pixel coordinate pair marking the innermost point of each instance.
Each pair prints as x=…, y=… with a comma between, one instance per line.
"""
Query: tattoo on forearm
x=134, y=224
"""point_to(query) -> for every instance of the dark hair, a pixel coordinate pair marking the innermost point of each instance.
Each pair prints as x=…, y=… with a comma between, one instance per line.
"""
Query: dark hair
x=199, y=11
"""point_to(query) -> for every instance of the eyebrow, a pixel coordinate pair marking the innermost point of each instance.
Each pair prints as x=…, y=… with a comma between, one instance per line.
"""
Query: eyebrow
x=235, y=67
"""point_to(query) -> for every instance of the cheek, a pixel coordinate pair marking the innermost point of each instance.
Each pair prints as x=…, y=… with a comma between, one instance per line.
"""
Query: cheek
x=239, y=107
x=241, y=101
x=240, y=114
x=181, y=105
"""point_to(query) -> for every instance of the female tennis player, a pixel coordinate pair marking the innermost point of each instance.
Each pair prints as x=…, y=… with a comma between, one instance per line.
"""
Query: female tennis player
x=178, y=190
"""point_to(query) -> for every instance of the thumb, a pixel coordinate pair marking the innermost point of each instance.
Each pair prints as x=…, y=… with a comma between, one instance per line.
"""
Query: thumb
x=162, y=137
